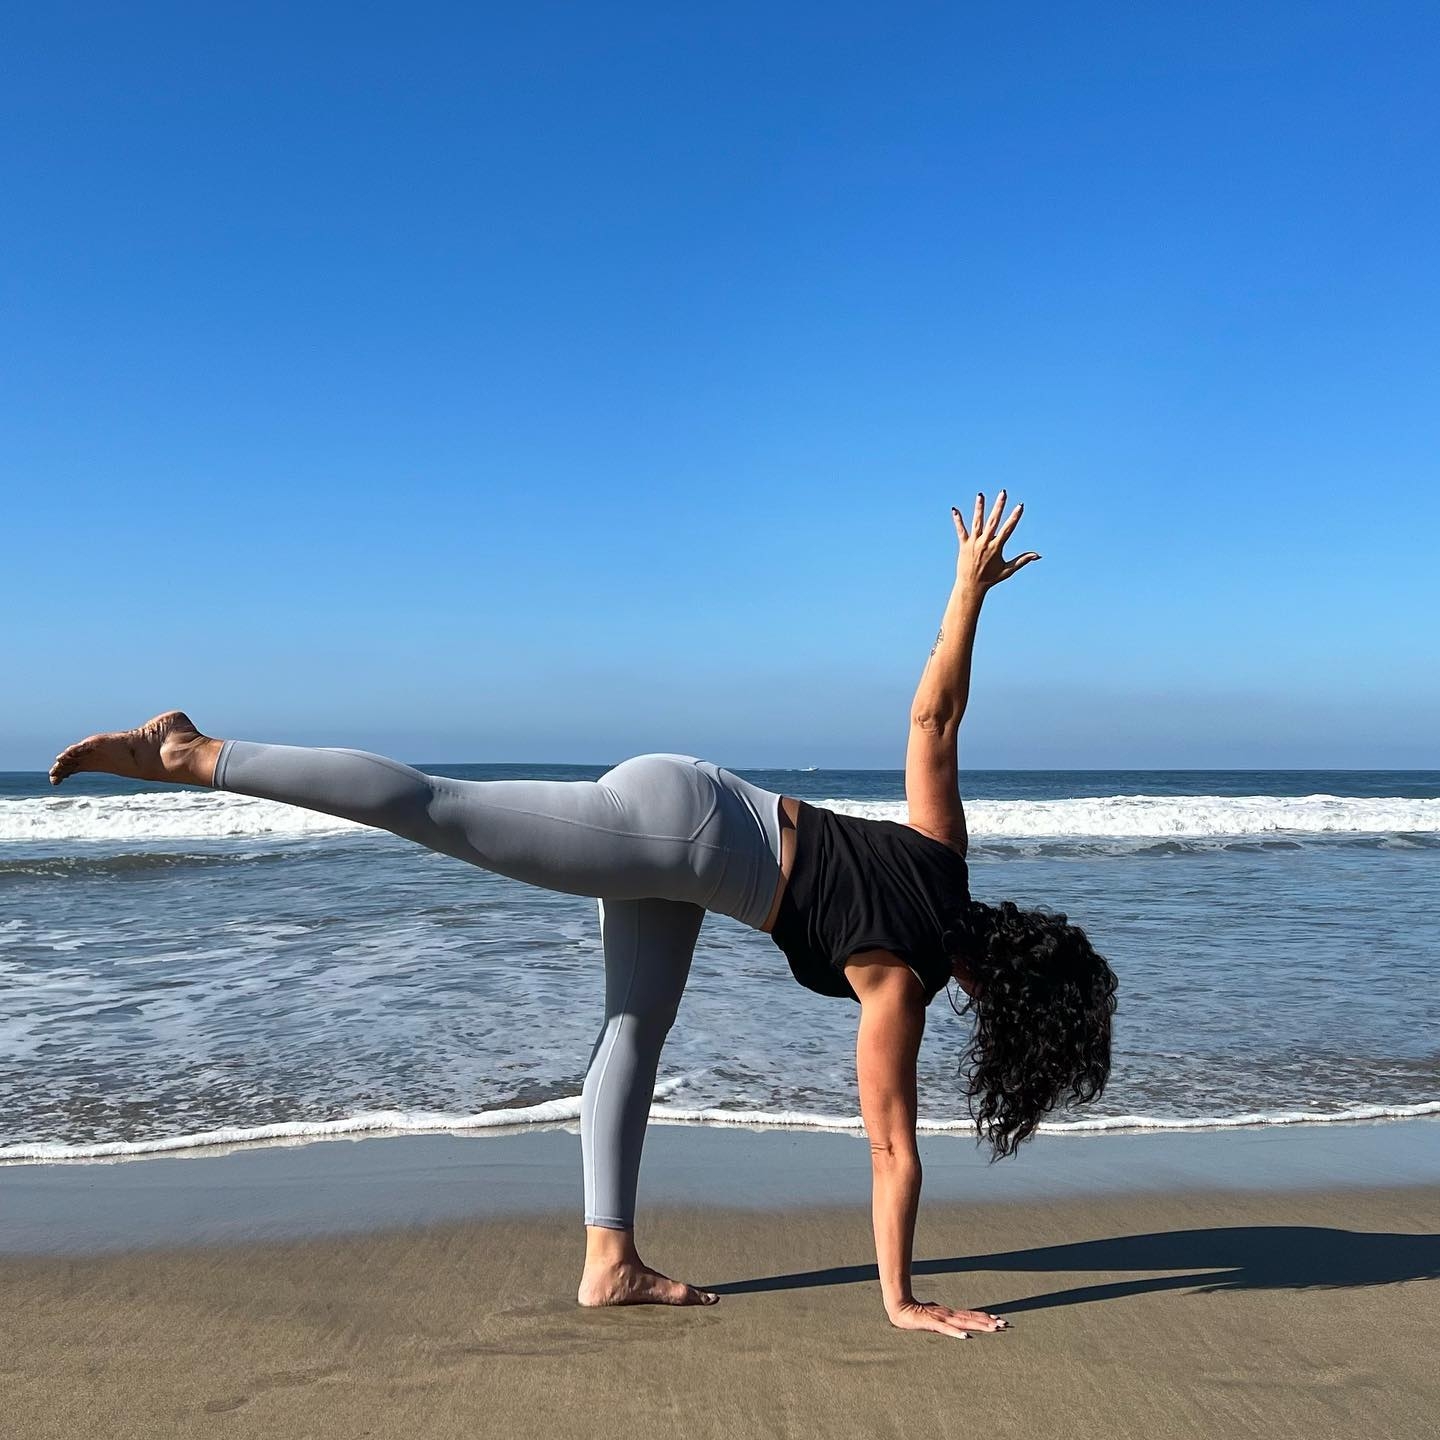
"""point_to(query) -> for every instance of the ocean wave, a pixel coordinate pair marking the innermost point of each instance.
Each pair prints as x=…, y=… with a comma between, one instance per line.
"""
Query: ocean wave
x=1177, y=817
x=566, y=1110
x=1179, y=821
x=1150, y=847
x=137, y=863
x=184, y=815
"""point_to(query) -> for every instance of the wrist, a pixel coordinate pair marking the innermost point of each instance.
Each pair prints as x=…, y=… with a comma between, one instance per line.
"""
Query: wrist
x=969, y=592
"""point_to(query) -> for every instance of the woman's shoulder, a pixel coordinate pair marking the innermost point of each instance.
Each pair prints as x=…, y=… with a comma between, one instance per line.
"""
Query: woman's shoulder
x=957, y=850
x=880, y=833
x=938, y=853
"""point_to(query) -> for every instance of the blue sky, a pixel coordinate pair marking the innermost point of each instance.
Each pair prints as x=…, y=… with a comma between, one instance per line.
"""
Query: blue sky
x=562, y=382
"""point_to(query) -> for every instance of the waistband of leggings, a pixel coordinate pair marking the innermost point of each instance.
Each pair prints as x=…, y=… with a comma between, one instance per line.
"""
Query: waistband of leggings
x=756, y=856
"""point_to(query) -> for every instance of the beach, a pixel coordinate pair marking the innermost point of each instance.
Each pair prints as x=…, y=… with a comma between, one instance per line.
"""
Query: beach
x=1270, y=1281
x=993, y=434
x=291, y=1144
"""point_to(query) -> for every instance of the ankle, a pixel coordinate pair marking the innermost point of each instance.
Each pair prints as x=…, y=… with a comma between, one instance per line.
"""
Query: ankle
x=608, y=1247
x=191, y=759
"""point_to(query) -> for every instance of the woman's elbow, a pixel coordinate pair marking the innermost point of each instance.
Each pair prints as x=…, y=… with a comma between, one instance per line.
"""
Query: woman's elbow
x=937, y=721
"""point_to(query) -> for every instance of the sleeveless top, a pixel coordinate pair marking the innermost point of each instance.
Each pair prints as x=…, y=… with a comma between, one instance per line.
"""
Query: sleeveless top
x=861, y=884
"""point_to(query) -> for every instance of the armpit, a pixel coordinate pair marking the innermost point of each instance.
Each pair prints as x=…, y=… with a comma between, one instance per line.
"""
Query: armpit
x=879, y=955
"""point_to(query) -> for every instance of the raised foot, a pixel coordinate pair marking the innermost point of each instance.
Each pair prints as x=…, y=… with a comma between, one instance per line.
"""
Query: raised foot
x=634, y=1284
x=169, y=747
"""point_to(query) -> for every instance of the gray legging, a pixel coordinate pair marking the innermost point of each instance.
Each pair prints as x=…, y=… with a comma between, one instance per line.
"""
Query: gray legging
x=659, y=840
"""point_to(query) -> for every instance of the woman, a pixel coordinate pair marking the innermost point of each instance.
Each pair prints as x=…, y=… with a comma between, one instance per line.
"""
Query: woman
x=871, y=910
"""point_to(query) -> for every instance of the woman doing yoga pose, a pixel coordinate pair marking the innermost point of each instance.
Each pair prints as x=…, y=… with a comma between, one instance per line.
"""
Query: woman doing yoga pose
x=870, y=910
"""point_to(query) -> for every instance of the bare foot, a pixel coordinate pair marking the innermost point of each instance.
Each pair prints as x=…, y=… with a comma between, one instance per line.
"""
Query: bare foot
x=631, y=1283
x=169, y=747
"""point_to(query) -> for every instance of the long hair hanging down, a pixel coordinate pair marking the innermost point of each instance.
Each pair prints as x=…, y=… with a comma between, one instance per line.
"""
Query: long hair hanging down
x=1043, y=1004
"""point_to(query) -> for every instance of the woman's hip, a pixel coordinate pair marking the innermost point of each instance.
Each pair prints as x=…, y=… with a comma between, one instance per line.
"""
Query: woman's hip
x=728, y=828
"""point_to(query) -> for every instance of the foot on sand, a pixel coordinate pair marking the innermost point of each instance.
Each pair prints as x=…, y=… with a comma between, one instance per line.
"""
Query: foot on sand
x=632, y=1284
x=169, y=747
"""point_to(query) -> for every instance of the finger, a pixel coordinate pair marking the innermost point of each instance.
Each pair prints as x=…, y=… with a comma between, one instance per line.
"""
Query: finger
x=1018, y=563
x=959, y=523
x=996, y=512
x=1008, y=529
x=977, y=524
x=968, y=1319
x=949, y=1327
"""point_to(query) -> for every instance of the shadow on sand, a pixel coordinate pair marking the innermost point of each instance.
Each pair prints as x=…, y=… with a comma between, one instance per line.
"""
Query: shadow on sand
x=1242, y=1257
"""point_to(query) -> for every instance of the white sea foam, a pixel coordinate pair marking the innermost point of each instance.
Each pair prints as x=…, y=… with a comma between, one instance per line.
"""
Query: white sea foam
x=209, y=815
x=1177, y=816
x=1104, y=1124
x=566, y=1109
x=185, y=815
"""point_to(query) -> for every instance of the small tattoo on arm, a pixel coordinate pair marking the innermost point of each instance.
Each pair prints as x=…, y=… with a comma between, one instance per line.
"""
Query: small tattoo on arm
x=939, y=636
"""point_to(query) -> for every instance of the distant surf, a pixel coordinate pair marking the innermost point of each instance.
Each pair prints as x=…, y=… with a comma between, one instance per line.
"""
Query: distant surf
x=118, y=820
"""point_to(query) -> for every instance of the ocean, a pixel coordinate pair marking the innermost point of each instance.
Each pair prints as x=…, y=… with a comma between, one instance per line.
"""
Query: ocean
x=182, y=967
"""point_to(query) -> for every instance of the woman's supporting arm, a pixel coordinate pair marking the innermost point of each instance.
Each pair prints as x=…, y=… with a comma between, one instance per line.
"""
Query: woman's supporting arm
x=892, y=1022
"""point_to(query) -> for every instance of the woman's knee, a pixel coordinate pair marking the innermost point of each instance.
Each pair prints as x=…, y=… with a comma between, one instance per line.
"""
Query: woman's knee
x=654, y=1024
x=642, y=1029
x=415, y=808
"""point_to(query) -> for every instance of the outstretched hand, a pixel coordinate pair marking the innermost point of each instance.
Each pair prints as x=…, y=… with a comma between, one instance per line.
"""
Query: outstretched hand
x=982, y=563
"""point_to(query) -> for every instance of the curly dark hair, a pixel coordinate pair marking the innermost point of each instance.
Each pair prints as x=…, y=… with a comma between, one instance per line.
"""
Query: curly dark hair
x=1043, y=1002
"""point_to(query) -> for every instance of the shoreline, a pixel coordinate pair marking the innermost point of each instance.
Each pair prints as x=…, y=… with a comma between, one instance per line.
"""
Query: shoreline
x=338, y=1185
x=562, y=1114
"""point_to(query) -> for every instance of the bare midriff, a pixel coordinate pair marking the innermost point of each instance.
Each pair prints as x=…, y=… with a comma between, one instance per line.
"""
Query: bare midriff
x=791, y=807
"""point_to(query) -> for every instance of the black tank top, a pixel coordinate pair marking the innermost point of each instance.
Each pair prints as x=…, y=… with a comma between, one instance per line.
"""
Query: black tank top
x=861, y=884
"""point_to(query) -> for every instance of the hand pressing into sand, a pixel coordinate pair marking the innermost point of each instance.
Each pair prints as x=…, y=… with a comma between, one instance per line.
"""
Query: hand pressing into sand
x=927, y=1315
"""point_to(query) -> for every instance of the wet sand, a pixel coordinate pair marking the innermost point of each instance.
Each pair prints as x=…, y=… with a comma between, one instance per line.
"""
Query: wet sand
x=1137, y=1311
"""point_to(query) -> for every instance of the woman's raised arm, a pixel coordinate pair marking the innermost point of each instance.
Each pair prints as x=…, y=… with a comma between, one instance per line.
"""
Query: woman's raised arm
x=932, y=764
